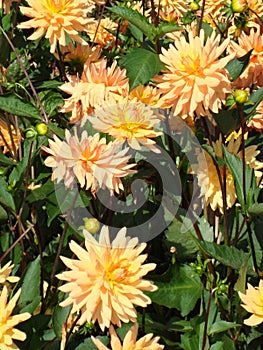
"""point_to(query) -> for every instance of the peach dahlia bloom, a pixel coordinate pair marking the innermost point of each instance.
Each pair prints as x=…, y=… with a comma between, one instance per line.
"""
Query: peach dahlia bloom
x=7, y=322
x=99, y=32
x=257, y=121
x=98, y=83
x=56, y=19
x=171, y=10
x=208, y=179
x=105, y=281
x=130, y=121
x=253, y=74
x=79, y=54
x=129, y=342
x=10, y=137
x=253, y=303
x=89, y=160
x=146, y=94
x=195, y=80
x=5, y=272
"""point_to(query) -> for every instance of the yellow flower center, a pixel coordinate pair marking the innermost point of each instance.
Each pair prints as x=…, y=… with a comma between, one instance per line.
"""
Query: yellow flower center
x=191, y=65
x=55, y=6
x=115, y=275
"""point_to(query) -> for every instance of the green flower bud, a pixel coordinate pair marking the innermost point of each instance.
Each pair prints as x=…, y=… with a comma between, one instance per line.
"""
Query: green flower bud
x=240, y=96
x=239, y=6
x=42, y=129
x=194, y=6
x=30, y=134
x=92, y=225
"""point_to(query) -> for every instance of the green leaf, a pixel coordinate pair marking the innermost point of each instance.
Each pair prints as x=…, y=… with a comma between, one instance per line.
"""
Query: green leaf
x=13, y=104
x=89, y=345
x=5, y=160
x=51, y=100
x=256, y=209
x=166, y=27
x=234, y=164
x=254, y=99
x=59, y=317
x=180, y=291
x=237, y=65
x=227, y=121
x=222, y=326
x=240, y=285
x=228, y=256
x=6, y=199
x=135, y=18
x=30, y=294
x=141, y=65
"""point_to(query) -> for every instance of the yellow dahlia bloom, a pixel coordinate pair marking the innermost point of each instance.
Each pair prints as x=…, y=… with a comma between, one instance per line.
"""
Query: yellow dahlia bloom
x=130, y=121
x=89, y=160
x=10, y=137
x=98, y=83
x=253, y=74
x=99, y=32
x=253, y=303
x=7, y=322
x=106, y=281
x=5, y=274
x=146, y=94
x=129, y=342
x=195, y=80
x=207, y=175
x=56, y=19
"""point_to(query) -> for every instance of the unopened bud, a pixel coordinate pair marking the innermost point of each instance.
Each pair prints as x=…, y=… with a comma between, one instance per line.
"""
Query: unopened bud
x=194, y=6
x=41, y=129
x=240, y=96
x=92, y=225
x=239, y=6
x=30, y=134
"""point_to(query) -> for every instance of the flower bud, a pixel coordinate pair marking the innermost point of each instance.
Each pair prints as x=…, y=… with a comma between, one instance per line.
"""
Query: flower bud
x=240, y=96
x=42, y=129
x=30, y=134
x=194, y=6
x=239, y=6
x=92, y=225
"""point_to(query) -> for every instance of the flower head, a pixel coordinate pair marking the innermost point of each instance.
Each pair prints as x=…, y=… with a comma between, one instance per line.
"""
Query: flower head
x=7, y=322
x=129, y=342
x=195, y=80
x=79, y=54
x=171, y=10
x=253, y=303
x=208, y=179
x=257, y=121
x=98, y=84
x=146, y=94
x=106, y=281
x=5, y=274
x=56, y=19
x=100, y=32
x=10, y=137
x=130, y=121
x=90, y=160
x=253, y=74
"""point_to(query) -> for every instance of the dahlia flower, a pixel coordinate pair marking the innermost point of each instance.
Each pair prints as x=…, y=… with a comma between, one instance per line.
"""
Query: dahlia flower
x=253, y=74
x=7, y=322
x=129, y=342
x=257, y=121
x=195, y=80
x=208, y=179
x=5, y=274
x=96, y=85
x=253, y=303
x=130, y=121
x=56, y=19
x=88, y=159
x=99, y=32
x=146, y=94
x=79, y=54
x=106, y=281
x=171, y=10
x=10, y=137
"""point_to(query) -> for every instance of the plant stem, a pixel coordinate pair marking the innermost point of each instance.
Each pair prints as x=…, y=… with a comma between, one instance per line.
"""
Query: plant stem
x=201, y=18
x=206, y=318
